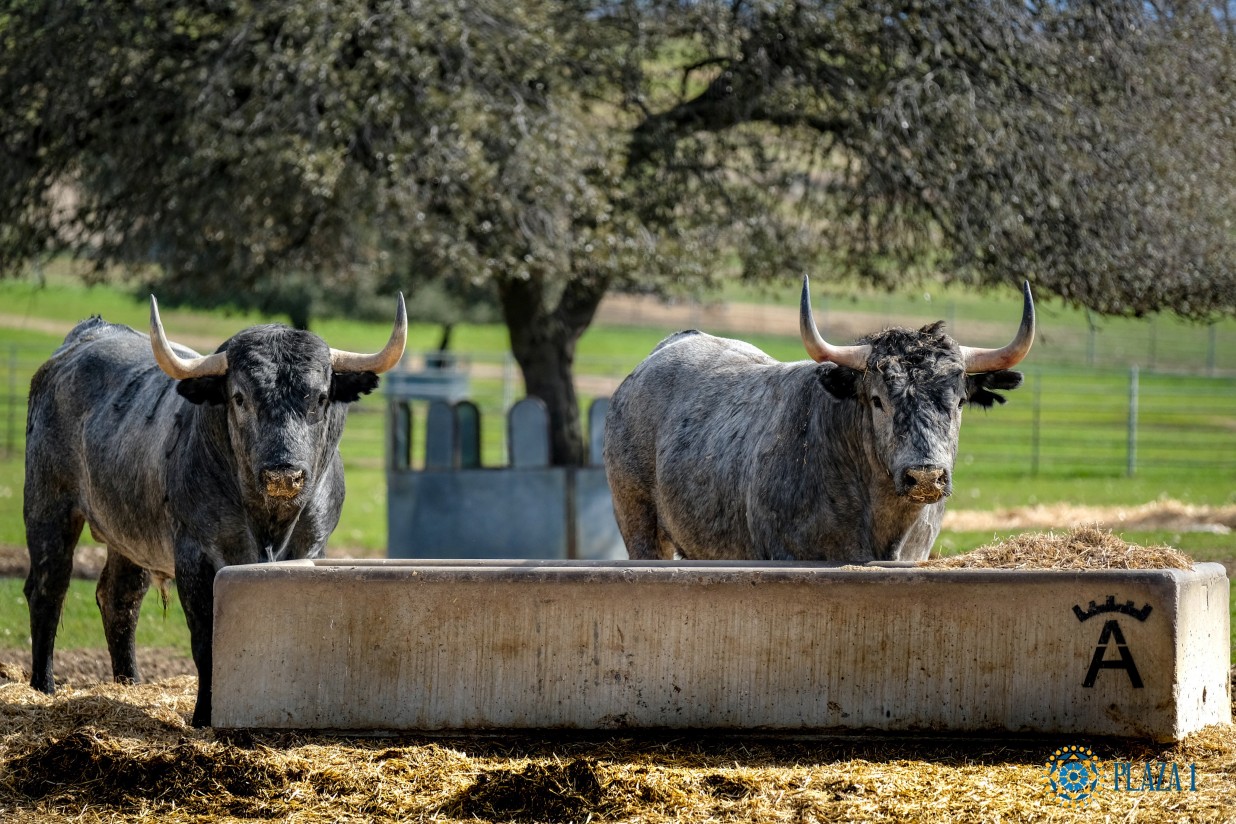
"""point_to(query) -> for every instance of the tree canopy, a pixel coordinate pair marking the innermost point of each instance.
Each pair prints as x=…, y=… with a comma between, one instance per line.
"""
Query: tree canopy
x=296, y=154
x=1084, y=146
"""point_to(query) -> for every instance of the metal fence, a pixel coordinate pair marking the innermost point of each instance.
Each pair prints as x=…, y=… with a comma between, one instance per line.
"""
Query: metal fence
x=18, y=366
x=1107, y=422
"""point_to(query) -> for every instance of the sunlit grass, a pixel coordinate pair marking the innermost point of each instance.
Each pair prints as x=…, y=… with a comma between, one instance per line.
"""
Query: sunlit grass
x=81, y=627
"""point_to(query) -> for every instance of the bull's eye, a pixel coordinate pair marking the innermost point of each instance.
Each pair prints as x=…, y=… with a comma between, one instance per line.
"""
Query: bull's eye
x=239, y=400
x=322, y=401
x=876, y=402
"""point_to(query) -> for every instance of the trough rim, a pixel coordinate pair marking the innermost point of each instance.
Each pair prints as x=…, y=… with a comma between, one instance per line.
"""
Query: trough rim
x=711, y=572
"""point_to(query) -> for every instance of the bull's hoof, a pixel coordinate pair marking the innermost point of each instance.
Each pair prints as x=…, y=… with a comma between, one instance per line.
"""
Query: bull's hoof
x=47, y=685
x=201, y=716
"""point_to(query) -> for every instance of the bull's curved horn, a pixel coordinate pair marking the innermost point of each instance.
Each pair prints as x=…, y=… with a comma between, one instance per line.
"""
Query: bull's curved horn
x=174, y=365
x=1006, y=357
x=821, y=350
x=342, y=361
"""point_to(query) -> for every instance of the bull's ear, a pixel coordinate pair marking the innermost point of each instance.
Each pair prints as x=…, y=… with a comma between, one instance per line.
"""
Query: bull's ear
x=346, y=387
x=840, y=381
x=211, y=391
x=979, y=387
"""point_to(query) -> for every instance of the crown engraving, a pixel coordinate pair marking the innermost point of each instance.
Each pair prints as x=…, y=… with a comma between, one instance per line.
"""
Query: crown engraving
x=1110, y=605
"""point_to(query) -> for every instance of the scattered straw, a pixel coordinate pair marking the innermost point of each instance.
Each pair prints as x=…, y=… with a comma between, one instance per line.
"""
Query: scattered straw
x=1086, y=547
x=123, y=761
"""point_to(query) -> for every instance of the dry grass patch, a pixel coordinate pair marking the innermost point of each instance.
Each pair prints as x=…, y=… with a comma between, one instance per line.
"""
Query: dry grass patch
x=1086, y=547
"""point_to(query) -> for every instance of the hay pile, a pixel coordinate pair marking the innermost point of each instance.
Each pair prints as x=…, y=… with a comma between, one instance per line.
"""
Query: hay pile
x=1086, y=547
x=114, y=753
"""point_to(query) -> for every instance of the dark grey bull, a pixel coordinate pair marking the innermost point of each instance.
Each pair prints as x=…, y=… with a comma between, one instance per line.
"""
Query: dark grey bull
x=182, y=465
x=715, y=450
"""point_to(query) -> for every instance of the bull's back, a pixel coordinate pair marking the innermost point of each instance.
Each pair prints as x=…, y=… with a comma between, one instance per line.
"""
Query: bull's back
x=101, y=414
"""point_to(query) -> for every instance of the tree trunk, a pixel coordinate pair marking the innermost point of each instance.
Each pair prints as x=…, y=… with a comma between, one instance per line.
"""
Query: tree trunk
x=543, y=342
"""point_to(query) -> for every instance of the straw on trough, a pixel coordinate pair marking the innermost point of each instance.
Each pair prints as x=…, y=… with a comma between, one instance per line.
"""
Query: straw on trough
x=1086, y=547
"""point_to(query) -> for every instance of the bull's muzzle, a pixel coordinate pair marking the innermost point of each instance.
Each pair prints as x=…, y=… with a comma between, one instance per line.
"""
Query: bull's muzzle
x=283, y=482
x=926, y=484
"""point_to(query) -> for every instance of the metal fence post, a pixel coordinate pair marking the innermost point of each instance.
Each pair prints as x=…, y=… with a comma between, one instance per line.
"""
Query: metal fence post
x=1132, y=452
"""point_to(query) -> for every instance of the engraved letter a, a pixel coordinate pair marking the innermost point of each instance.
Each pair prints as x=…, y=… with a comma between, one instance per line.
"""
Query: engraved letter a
x=1111, y=632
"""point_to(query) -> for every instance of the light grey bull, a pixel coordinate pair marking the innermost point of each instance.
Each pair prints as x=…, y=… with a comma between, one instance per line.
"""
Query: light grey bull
x=715, y=450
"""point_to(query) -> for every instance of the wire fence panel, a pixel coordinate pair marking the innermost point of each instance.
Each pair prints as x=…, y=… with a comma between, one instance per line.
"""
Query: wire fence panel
x=1107, y=422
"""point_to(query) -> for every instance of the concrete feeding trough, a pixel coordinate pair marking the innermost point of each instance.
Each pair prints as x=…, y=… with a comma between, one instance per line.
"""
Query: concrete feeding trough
x=406, y=645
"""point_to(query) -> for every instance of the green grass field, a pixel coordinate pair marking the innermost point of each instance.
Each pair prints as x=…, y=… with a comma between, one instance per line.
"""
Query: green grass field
x=1061, y=437
x=81, y=627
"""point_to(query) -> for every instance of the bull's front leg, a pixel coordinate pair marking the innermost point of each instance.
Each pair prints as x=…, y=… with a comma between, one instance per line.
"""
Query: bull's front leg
x=195, y=578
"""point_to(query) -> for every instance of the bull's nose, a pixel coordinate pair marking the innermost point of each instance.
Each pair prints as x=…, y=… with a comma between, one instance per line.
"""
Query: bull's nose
x=283, y=481
x=926, y=484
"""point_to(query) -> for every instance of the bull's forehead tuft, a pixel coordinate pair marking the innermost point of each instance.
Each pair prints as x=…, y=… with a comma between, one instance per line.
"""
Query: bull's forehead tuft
x=277, y=353
x=923, y=356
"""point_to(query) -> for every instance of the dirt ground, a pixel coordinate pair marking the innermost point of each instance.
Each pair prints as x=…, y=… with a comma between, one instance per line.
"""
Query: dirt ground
x=111, y=753
x=90, y=667
x=1166, y=515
